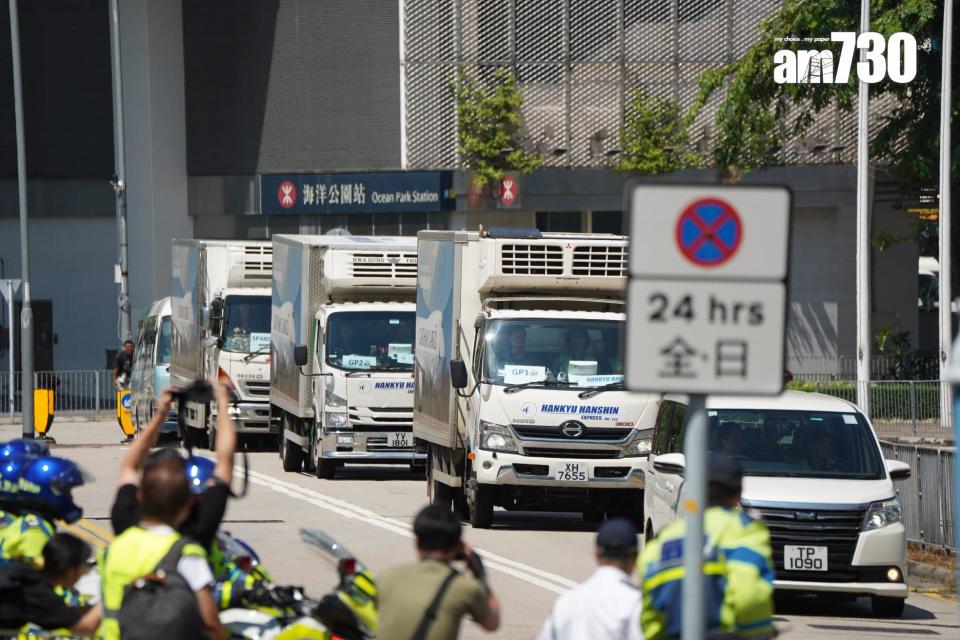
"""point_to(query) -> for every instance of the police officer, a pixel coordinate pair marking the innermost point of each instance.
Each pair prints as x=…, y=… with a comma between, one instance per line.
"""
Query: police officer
x=44, y=490
x=13, y=455
x=738, y=567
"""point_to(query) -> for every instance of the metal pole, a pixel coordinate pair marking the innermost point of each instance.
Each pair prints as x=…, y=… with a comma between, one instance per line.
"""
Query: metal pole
x=11, y=288
x=26, y=313
x=863, y=230
x=694, y=503
x=946, y=297
x=120, y=181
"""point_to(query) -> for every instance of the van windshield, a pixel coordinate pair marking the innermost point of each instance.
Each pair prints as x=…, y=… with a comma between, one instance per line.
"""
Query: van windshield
x=797, y=444
x=246, y=323
x=371, y=340
x=164, y=345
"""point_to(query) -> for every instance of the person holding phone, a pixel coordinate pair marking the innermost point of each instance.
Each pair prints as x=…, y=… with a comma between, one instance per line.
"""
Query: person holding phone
x=428, y=599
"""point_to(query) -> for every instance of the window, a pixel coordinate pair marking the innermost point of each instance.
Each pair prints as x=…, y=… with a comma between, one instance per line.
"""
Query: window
x=246, y=321
x=371, y=340
x=164, y=341
x=668, y=437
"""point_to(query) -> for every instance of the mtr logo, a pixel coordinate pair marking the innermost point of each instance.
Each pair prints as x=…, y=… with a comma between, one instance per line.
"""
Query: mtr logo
x=287, y=194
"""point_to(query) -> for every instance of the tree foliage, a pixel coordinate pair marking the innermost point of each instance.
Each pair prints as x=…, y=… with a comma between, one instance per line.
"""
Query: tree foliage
x=654, y=137
x=488, y=126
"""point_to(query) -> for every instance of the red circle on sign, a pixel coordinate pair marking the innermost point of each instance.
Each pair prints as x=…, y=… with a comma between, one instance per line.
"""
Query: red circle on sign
x=287, y=194
x=709, y=232
x=508, y=190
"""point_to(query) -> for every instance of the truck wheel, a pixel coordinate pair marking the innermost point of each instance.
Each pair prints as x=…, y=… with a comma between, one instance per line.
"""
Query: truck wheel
x=887, y=607
x=326, y=469
x=291, y=455
x=480, y=504
x=212, y=438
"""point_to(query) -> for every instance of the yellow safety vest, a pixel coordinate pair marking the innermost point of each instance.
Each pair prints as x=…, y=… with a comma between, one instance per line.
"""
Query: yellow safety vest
x=134, y=553
x=738, y=569
x=24, y=539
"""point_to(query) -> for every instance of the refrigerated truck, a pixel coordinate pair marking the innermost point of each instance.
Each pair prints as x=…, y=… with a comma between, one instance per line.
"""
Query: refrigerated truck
x=220, y=307
x=518, y=392
x=341, y=382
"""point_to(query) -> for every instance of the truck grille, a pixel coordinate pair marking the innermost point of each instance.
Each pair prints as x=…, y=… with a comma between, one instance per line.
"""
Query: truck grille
x=605, y=434
x=531, y=259
x=258, y=389
x=592, y=454
x=385, y=265
x=380, y=418
x=600, y=260
x=838, y=530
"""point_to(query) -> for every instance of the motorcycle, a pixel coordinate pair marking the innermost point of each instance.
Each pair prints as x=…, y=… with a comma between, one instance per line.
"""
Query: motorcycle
x=274, y=612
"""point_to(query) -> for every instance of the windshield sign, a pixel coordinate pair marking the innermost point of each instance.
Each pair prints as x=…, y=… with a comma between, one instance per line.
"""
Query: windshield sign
x=574, y=353
x=371, y=340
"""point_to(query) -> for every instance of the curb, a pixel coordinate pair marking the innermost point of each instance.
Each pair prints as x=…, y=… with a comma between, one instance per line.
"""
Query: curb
x=930, y=572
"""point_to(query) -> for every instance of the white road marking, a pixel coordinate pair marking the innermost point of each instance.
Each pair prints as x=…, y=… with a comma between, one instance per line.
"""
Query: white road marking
x=544, y=579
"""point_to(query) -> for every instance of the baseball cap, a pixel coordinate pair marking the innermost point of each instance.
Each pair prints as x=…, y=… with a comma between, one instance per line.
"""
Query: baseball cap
x=724, y=471
x=617, y=537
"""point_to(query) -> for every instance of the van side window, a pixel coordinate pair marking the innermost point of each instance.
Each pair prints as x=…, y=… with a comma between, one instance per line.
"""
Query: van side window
x=669, y=429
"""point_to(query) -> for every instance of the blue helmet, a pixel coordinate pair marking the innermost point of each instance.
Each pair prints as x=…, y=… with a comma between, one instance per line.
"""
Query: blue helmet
x=10, y=469
x=23, y=449
x=46, y=484
x=199, y=472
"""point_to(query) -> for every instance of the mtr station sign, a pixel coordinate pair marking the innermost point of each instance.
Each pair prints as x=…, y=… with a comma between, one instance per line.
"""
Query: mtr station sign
x=707, y=293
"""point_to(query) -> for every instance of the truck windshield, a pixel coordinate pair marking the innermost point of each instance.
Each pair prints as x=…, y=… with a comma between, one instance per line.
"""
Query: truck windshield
x=164, y=344
x=246, y=323
x=569, y=352
x=797, y=444
x=371, y=340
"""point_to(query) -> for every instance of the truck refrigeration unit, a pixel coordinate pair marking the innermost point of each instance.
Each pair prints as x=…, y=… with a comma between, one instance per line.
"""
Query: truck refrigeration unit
x=518, y=398
x=221, y=328
x=341, y=380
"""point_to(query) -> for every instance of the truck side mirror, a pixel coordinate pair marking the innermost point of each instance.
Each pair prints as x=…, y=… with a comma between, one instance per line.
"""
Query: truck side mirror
x=210, y=342
x=458, y=374
x=300, y=354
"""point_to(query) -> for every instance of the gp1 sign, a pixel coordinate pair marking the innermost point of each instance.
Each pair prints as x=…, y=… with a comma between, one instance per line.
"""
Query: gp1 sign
x=706, y=298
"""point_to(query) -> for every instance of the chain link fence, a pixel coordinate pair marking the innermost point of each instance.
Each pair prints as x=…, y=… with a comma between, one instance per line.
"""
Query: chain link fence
x=75, y=392
x=927, y=497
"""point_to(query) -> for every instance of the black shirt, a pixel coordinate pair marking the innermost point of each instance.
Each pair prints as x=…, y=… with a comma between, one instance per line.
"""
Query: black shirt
x=202, y=524
x=123, y=363
x=26, y=595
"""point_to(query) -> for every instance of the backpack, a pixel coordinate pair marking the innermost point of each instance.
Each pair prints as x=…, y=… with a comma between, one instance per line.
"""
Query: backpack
x=161, y=604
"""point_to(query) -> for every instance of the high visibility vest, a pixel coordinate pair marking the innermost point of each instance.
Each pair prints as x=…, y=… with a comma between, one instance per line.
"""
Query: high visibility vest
x=134, y=553
x=738, y=570
x=24, y=539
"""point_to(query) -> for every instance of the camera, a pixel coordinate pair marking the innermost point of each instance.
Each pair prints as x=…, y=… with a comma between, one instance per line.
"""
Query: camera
x=199, y=391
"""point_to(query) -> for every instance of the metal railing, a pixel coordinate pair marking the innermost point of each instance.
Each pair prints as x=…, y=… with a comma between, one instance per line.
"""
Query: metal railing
x=75, y=392
x=927, y=497
x=901, y=406
x=824, y=368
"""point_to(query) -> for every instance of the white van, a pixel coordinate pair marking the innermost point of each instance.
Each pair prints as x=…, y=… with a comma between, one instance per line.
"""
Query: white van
x=151, y=365
x=815, y=474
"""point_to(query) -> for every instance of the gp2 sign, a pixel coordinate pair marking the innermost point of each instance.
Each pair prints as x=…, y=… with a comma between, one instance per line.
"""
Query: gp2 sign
x=706, y=298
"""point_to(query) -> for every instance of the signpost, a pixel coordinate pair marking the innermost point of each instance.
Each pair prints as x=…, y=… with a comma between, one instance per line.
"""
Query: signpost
x=706, y=311
x=9, y=288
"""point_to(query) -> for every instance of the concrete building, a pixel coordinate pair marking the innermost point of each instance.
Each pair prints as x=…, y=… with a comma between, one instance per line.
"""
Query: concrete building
x=243, y=116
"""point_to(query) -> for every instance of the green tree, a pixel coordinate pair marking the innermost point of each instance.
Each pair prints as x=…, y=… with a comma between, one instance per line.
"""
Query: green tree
x=488, y=126
x=654, y=137
x=756, y=115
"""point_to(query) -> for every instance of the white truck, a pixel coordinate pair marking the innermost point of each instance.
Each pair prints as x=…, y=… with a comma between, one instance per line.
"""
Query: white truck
x=518, y=395
x=341, y=381
x=221, y=328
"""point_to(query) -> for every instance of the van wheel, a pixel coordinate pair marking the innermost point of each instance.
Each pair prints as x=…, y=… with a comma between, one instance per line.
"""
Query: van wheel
x=480, y=504
x=887, y=607
x=326, y=469
x=648, y=534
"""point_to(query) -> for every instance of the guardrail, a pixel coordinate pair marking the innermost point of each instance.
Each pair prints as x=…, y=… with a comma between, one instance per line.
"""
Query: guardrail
x=75, y=392
x=927, y=497
x=900, y=406
x=823, y=368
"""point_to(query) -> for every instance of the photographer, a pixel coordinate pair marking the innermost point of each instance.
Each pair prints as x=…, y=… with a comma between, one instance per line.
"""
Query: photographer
x=427, y=600
x=205, y=518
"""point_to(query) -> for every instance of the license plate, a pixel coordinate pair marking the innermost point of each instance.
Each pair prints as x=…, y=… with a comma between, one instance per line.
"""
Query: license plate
x=572, y=472
x=400, y=440
x=804, y=558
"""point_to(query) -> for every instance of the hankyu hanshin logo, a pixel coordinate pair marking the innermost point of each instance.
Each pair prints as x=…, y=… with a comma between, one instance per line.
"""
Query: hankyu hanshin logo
x=894, y=58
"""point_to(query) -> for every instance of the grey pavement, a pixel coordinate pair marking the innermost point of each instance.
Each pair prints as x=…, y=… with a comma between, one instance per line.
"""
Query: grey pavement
x=531, y=558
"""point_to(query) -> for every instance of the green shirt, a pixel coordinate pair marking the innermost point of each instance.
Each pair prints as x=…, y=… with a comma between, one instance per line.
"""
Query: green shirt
x=407, y=591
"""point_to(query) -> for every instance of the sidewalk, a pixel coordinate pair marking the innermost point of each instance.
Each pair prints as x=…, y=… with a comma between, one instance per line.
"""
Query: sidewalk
x=72, y=432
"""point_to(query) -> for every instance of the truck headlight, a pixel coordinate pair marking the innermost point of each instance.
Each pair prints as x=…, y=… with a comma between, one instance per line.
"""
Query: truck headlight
x=333, y=400
x=882, y=514
x=641, y=444
x=337, y=420
x=495, y=437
